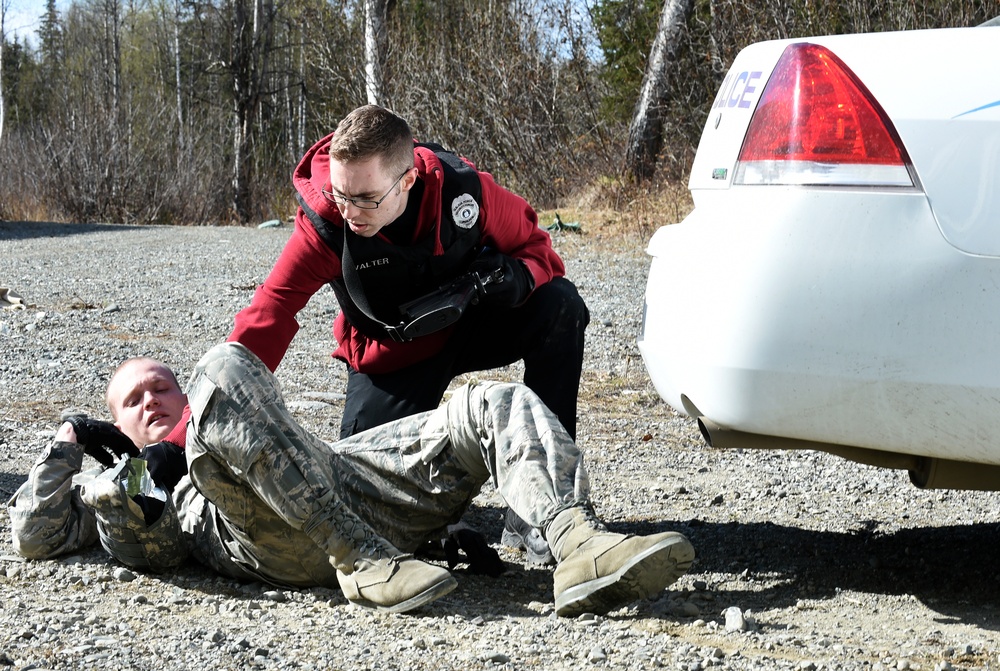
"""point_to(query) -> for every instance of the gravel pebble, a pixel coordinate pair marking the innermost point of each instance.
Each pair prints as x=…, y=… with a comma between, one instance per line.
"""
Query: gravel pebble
x=843, y=566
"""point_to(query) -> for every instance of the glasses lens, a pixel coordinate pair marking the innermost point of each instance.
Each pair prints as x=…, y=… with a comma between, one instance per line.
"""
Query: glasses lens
x=361, y=204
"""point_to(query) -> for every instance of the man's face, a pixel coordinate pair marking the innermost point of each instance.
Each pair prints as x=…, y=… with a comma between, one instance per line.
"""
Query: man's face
x=367, y=180
x=146, y=401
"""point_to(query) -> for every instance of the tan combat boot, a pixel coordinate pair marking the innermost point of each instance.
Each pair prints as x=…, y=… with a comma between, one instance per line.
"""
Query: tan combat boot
x=375, y=574
x=599, y=571
x=394, y=583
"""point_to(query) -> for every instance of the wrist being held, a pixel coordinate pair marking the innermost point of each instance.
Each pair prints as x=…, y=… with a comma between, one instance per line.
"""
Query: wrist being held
x=101, y=440
x=66, y=433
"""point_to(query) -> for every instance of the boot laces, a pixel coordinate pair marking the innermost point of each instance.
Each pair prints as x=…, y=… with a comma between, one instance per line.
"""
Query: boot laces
x=376, y=549
x=590, y=517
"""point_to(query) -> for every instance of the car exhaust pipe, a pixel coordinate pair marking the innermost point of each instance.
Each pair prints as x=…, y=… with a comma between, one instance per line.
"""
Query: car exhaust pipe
x=925, y=472
x=945, y=474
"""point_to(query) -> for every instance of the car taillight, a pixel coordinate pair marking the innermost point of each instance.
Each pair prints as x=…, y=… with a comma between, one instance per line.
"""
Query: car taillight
x=816, y=123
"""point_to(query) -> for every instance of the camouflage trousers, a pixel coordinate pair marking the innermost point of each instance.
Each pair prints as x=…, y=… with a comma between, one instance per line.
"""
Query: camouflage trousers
x=278, y=490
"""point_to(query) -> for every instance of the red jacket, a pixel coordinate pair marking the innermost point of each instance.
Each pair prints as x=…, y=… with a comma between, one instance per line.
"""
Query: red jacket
x=267, y=326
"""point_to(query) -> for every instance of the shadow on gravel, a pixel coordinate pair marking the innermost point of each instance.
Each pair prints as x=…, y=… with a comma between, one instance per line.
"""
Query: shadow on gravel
x=952, y=570
x=23, y=230
x=509, y=595
x=9, y=484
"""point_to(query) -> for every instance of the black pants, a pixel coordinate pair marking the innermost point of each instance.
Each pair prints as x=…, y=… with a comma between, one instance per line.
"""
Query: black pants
x=546, y=332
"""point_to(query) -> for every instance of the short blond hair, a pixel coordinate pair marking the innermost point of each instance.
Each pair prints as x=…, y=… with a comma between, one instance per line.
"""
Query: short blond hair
x=126, y=364
x=372, y=131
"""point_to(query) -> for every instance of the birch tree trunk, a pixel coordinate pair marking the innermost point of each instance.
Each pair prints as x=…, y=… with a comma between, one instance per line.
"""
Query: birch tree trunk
x=375, y=50
x=112, y=15
x=177, y=73
x=293, y=67
x=645, y=135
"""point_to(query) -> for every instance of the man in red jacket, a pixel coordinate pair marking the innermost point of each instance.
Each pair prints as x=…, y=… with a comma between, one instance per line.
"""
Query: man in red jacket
x=386, y=221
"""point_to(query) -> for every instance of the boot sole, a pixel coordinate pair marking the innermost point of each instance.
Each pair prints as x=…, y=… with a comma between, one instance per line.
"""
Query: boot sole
x=644, y=576
x=430, y=594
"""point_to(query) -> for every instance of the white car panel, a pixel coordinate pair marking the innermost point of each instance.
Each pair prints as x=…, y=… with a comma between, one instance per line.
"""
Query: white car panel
x=962, y=177
x=829, y=332
x=866, y=317
x=940, y=88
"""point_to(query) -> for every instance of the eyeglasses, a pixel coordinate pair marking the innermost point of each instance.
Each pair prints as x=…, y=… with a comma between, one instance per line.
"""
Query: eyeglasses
x=362, y=203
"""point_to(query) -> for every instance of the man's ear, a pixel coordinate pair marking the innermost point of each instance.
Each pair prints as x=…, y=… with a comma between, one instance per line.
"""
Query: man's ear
x=409, y=179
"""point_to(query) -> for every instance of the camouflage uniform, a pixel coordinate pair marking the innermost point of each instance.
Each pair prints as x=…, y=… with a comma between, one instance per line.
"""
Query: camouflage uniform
x=61, y=509
x=47, y=516
x=271, y=501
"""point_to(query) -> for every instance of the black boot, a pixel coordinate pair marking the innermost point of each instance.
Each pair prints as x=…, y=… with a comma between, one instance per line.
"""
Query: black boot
x=520, y=535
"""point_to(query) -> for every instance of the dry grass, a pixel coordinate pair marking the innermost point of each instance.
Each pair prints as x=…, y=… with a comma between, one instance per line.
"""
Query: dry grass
x=608, y=209
x=611, y=212
x=20, y=207
x=607, y=396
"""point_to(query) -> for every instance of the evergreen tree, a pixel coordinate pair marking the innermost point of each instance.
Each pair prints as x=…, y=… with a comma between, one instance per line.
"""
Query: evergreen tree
x=625, y=31
x=50, y=37
x=50, y=58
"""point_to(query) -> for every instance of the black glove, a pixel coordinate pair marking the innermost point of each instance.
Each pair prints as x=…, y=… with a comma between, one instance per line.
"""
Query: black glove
x=166, y=463
x=102, y=440
x=482, y=559
x=513, y=284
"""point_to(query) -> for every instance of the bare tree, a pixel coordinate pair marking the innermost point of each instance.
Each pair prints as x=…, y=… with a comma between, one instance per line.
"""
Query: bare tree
x=253, y=39
x=645, y=136
x=294, y=103
x=3, y=15
x=177, y=73
x=236, y=89
x=375, y=49
x=112, y=52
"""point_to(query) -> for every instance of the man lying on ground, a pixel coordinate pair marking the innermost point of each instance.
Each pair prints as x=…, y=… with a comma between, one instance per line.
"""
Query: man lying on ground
x=237, y=483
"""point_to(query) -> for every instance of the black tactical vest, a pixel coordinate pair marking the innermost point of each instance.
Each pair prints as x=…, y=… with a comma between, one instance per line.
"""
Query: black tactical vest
x=379, y=276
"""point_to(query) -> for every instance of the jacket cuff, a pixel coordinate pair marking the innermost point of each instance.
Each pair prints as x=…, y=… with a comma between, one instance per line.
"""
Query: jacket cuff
x=71, y=453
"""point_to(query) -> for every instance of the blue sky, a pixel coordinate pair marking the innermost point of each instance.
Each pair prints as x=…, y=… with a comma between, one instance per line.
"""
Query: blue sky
x=22, y=17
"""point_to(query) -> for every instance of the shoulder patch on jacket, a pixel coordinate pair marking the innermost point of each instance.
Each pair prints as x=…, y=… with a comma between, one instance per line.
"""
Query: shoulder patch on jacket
x=465, y=211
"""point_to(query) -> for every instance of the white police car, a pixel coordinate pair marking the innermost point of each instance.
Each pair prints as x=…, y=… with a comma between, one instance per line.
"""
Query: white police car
x=837, y=284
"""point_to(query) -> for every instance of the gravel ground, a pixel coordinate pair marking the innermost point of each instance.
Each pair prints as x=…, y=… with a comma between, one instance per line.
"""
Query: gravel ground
x=805, y=561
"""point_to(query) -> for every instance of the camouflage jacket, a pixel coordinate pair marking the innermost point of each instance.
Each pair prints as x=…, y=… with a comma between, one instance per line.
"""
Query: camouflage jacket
x=62, y=509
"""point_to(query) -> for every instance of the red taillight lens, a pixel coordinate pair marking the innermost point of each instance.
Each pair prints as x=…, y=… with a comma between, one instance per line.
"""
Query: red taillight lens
x=816, y=123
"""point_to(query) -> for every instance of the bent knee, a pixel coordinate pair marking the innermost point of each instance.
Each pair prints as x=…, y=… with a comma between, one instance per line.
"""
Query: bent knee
x=562, y=299
x=229, y=359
